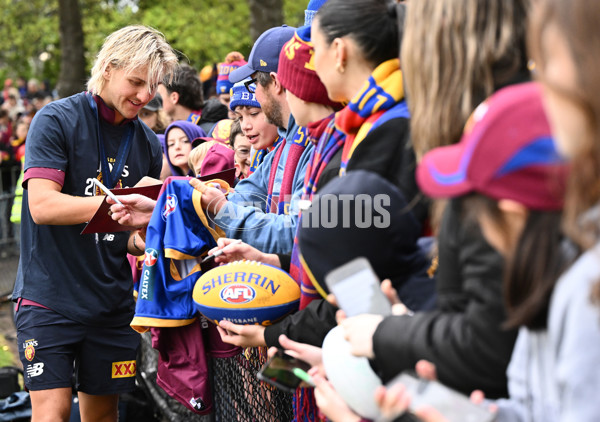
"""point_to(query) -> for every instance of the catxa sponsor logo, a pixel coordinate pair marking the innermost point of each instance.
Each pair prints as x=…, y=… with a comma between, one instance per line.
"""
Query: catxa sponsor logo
x=362, y=211
x=146, y=284
x=150, y=257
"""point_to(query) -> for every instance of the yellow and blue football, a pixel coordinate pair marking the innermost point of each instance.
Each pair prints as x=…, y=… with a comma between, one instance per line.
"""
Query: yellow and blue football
x=246, y=292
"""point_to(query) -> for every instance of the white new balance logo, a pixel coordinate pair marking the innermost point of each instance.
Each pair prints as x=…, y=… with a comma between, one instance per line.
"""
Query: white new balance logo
x=109, y=237
x=35, y=369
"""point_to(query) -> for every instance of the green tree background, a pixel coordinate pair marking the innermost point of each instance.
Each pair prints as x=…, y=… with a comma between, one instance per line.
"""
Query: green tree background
x=203, y=31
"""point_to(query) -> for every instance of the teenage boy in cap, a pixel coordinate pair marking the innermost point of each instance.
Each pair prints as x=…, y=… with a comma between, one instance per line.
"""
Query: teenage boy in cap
x=74, y=292
x=182, y=96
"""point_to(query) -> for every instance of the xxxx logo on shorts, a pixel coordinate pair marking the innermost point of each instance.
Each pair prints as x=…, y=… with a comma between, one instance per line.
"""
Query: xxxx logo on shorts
x=123, y=369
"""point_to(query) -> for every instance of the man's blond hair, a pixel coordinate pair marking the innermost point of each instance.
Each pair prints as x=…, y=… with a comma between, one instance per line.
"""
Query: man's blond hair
x=134, y=47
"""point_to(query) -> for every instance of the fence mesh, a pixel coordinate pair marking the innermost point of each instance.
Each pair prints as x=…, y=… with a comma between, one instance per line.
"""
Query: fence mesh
x=238, y=394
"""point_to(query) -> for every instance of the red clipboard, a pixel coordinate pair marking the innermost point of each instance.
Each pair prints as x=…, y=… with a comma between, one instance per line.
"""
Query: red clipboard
x=101, y=222
x=225, y=175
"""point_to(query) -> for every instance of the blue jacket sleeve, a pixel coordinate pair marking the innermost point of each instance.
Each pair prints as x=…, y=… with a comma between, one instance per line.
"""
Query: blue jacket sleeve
x=244, y=216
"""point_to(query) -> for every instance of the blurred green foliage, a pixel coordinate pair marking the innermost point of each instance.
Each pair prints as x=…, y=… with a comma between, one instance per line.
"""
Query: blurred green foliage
x=203, y=31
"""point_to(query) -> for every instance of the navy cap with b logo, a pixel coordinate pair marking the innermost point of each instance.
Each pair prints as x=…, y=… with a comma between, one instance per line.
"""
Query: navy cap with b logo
x=264, y=56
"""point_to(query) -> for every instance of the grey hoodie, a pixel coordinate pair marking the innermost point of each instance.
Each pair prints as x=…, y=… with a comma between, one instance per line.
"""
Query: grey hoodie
x=554, y=374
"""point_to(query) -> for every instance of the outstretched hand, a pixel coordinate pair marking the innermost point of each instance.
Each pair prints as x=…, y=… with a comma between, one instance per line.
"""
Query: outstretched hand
x=212, y=199
x=235, y=251
x=358, y=331
x=242, y=335
x=135, y=211
x=330, y=402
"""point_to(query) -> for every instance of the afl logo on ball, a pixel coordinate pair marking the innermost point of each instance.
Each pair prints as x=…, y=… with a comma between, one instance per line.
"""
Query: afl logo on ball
x=150, y=257
x=170, y=206
x=237, y=294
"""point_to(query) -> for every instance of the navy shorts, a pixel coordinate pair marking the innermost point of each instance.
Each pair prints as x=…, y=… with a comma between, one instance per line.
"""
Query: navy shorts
x=52, y=348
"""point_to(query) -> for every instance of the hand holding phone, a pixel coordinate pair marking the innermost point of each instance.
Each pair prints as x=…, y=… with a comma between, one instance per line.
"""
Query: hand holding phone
x=357, y=289
x=286, y=372
x=454, y=406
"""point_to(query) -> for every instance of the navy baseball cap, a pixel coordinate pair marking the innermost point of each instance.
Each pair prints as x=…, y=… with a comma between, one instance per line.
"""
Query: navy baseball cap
x=264, y=56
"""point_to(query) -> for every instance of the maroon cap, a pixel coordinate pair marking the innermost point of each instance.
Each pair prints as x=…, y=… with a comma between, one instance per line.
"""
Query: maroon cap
x=218, y=158
x=296, y=72
x=506, y=152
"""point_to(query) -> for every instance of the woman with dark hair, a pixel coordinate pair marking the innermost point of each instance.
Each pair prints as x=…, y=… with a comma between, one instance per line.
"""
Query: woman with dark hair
x=453, y=57
x=355, y=56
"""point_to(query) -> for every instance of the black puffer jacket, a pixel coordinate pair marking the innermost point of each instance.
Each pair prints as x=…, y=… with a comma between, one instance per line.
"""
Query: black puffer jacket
x=463, y=337
x=385, y=151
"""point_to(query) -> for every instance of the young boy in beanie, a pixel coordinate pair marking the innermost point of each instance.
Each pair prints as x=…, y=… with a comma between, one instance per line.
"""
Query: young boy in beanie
x=263, y=136
x=74, y=292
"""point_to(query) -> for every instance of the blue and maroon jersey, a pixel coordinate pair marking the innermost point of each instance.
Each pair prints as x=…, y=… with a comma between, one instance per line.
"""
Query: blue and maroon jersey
x=178, y=233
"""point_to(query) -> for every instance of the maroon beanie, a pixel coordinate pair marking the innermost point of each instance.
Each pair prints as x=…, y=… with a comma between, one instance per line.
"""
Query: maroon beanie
x=296, y=72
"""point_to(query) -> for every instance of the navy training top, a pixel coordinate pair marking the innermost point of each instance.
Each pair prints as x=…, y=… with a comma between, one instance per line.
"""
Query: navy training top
x=86, y=278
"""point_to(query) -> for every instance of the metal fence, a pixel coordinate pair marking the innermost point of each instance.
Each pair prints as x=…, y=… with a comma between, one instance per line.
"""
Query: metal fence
x=238, y=395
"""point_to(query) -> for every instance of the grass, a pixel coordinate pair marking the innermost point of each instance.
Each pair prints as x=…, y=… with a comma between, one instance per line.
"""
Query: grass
x=6, y=357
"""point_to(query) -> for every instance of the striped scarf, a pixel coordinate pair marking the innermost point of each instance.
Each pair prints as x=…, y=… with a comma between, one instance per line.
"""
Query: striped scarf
x=380, y=93
x=329, y=140
x=379, y=100
x=259, y=156
x=280, y=204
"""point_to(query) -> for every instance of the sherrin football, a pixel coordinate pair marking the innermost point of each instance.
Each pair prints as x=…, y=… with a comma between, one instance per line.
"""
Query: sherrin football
x=246, y=292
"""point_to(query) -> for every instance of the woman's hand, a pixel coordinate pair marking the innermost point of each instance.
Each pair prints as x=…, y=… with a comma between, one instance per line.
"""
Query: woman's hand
x=310, y=354
x=330, y=402
x=242, y=335
x=398, y=308
x=358, y=331
x=392, y=401
x=395, y=400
